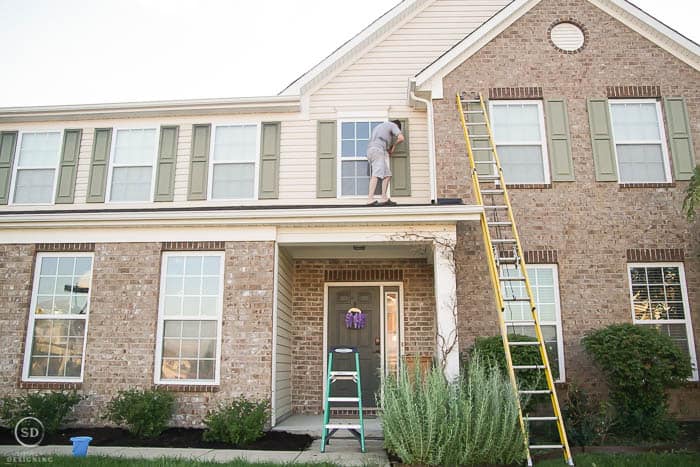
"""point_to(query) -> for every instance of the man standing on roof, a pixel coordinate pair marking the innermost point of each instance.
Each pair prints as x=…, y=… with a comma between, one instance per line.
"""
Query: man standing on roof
x=381, y=145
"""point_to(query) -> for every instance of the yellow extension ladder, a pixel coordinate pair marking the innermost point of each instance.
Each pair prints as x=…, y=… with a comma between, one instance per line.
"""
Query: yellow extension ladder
x=507, y=264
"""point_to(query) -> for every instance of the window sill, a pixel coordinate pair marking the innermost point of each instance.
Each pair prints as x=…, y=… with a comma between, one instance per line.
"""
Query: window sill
x=187, y=387
x=647, y=185
x=53, y=385
x=529, y=186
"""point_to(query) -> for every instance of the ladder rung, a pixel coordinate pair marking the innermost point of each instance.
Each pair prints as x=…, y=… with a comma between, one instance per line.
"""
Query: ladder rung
x=492, y=192
x=482, y=149
x=535, y=391
x=522, y=322
x=529, y=367
x=496, y=207
x=476, y=123
x=503, y=240
x=540, y=419
x=343, y=399
x=546, y=446
x=524, y=343
x=473, y=111
x=484, y=137
x=492, y=162
x=500, y=223
x=343, y=373
x=471, y=101
x=340, y=426
x=514, y=279
x=508, y=260
x=488, y=177
x=511, y=299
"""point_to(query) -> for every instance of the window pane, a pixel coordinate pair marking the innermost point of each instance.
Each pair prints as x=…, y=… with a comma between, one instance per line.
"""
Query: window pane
x=131, y=184
x=57, y=348
x=235, y=143
x=211, y=265
x=516, y=123
x=522, y=164
x=34, y=186
x=354, y=178
x=135, y=147
x=635, y=122
x=348, y=130
x=233, y=181
x=39, y=150
x=640, y=163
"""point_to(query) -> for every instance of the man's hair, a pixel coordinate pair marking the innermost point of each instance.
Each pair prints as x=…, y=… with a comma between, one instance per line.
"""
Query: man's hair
x=397, y=123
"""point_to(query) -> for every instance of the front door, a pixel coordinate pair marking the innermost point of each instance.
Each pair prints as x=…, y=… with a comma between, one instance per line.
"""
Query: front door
x=367, y=340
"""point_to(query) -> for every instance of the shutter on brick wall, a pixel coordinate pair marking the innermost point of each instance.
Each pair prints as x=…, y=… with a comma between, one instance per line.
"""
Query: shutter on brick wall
x=68, y=169
x=97, y=180
x=401, y=165
x=269, y=160
x=167, y=156
x=8, y=144
x=681, y=143
x=559, y=140
x=601, y=140
x=199, y=163
x=327, y=148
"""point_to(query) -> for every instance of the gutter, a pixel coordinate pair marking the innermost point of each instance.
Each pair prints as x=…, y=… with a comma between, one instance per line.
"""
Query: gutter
x=431, y=143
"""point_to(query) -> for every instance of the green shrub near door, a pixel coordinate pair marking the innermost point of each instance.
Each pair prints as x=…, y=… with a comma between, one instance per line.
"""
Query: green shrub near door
x=239, y=422
x=146, y=413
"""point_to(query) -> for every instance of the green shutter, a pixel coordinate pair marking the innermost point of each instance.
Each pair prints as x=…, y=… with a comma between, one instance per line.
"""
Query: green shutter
x=681, y=143
x=326, y=171
x=401, y=166
x=199, y=163
x=167, y=156
x=559, y=140
x=602, y=141
x=97, y=180
x=270, y=160
x=8, y=144
x=65, y=189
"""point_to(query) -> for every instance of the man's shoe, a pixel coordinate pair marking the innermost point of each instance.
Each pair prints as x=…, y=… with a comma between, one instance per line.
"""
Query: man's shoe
x=388, y=203
x=373, y=203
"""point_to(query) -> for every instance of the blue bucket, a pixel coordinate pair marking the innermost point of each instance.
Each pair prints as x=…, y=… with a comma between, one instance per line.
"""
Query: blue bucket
x=80, y=445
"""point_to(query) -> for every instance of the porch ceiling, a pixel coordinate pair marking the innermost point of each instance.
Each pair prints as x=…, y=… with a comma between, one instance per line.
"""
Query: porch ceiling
x=361, y=250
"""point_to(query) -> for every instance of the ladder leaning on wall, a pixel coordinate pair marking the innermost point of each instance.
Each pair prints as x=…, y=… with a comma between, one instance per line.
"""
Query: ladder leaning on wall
x=507, y=266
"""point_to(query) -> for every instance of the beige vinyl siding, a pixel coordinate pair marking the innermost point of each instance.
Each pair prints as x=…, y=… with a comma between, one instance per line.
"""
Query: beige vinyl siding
x=184, y=147
x=283, y=348
x=81, y=179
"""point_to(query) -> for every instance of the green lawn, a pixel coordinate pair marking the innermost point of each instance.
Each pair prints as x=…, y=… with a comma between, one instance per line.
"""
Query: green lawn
x=103, y=461
x=676, y=459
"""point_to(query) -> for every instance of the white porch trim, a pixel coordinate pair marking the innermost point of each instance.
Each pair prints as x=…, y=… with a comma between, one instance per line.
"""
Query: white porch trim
x=445, y=285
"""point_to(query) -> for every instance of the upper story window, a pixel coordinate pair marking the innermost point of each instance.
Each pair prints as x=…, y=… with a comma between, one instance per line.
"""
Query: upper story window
x=353, y=172
x=233, y=164
x=134, y=154
x=521, y=141
x=38, y=156
x=639, y=141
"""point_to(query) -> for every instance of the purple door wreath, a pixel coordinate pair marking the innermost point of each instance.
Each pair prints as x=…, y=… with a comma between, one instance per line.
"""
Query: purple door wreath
x=355, y=319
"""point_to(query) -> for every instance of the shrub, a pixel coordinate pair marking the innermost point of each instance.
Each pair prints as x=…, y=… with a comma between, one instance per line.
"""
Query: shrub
x=428, y=420
x=587, y=423
x=145, y=412
x=51, y=408
x=238, y=423
x=640, y=364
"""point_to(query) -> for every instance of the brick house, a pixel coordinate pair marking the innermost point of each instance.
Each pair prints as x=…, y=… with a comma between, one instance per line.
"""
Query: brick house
x=213, y=247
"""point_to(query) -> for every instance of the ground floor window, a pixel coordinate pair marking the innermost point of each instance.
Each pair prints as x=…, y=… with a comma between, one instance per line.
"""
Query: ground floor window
x=55, y=346
x=544, y=282
x=659, y=298
x=189, y=318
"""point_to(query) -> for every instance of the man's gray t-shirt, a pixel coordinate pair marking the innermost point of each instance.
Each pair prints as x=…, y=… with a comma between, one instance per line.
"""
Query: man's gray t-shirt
x=383, y=135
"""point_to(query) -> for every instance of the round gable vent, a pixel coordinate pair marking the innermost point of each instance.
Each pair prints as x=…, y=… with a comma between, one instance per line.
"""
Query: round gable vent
x=566, y=36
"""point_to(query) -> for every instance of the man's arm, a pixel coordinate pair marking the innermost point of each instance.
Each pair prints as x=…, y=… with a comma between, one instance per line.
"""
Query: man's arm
x=399, y=139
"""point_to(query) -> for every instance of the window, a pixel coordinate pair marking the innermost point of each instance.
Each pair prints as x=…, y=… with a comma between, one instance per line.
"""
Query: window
x=133, y=157
x=60, y=306
x=545, y=288
x=189, y=318
x=235, y=152
x=518, y=129
x=354, y=168
x=639, y=141
x=660, y=299
x=37, y=160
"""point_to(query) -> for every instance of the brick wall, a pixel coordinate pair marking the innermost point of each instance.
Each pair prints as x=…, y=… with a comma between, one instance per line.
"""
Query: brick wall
x=307, y=335
x=590, y=225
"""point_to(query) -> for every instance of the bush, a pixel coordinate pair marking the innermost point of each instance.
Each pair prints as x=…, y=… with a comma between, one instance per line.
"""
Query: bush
x=145, y=412
x=51, y=408
x=640, y=364
x=428, y=420
x=587, y=423
x=238, y=423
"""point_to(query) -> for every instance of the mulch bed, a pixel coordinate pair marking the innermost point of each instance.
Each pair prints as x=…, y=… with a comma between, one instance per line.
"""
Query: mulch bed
x=170, y=438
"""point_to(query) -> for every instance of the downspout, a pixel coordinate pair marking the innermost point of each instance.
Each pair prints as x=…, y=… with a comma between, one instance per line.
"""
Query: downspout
x=431, y=146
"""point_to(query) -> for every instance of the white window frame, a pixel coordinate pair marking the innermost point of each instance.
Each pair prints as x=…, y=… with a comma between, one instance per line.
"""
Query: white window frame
x=339, y=151
x=154, y=164
x=33, y=317
x=557, y=322
x=686, y=308
x=16, y=168
x=662, y=135
x=161, y=321
x=256, y=161
x=543, y=136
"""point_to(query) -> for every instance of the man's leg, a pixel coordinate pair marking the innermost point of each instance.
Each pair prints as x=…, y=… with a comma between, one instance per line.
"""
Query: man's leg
x=372, y=188
x=385, y=188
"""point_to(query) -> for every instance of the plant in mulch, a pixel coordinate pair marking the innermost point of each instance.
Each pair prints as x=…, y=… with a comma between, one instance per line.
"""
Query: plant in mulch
x=239, y=422
x=691, y=202
x=640, y=364
x=145, y=412
x=51, y=408
x=588, y=422
x=473, y=420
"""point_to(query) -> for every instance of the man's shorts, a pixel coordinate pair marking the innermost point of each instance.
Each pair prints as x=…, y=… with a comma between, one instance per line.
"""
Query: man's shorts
x=378, y=162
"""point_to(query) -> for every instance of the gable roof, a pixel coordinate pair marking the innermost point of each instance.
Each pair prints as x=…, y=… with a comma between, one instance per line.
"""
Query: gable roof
x=430, y=78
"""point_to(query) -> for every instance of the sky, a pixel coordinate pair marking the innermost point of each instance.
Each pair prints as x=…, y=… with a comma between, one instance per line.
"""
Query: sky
x=58, y=52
